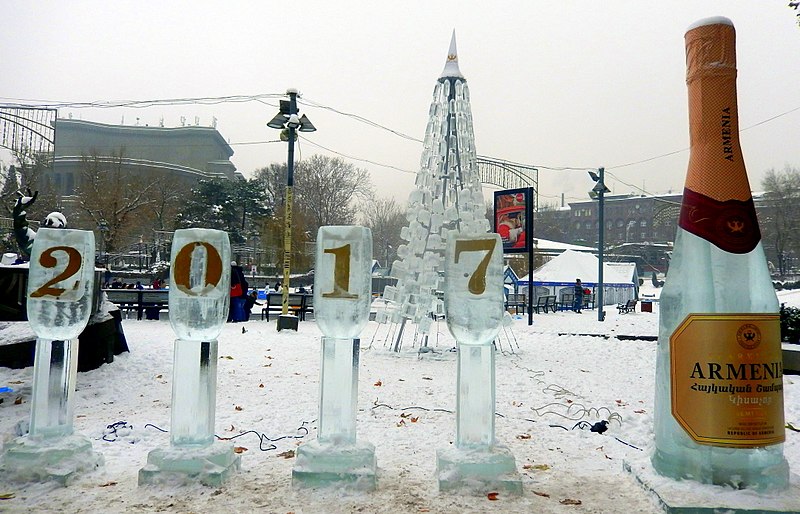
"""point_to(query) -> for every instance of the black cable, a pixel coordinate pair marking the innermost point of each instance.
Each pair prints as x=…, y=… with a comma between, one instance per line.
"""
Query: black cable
x=265, y=442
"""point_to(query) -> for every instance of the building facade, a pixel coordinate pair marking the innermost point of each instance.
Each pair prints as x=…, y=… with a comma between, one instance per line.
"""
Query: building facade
x=187, y=153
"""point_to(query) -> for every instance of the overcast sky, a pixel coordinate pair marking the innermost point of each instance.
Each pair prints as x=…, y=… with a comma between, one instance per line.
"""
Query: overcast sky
x=553, y=83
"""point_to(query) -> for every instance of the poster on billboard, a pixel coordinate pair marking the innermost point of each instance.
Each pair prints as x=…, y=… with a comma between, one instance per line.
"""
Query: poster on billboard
x=513, y=219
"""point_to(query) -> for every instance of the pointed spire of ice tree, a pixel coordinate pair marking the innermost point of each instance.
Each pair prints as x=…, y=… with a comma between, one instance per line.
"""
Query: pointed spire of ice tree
x=447, y=199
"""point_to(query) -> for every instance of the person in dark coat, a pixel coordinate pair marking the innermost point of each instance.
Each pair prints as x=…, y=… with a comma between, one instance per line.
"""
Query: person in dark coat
x=238, y=294
x=577, y=302
x=249, y=302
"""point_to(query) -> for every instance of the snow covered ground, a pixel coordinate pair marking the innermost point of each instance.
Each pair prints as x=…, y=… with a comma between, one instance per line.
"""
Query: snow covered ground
x=550, y=376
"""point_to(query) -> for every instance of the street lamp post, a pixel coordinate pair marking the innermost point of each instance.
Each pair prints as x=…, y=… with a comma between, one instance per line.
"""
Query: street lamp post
x=598, y=191
x=289, y=123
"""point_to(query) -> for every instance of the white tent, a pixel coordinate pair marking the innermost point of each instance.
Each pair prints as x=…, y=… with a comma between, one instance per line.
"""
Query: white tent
x=557, y=276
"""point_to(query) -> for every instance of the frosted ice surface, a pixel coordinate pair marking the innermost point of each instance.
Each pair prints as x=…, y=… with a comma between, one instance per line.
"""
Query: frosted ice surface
x=474, y=297
x=201, y=282
x=60, y=283
x=343, y=280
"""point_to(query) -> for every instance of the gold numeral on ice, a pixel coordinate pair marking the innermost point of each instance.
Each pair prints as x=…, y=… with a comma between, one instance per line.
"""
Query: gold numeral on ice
x=341, y=273
x=183, y=267
x=49, y=261
x=477, y=283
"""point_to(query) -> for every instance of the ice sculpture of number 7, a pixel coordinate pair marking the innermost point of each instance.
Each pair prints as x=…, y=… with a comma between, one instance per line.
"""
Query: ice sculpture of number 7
x=199, y=296
x=342, y=295
x=473, y=303
x=60, y=286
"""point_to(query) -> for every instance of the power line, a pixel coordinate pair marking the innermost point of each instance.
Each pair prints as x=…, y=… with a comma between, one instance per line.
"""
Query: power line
x=357, y=158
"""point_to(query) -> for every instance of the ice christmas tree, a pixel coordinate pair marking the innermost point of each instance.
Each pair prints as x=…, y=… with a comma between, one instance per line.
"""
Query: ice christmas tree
x=447, y=199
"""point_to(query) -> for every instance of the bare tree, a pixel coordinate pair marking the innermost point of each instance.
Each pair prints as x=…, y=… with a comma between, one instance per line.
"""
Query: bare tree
x=385, y=218
x=113, y=197
x=326, y=190
x=780, y=215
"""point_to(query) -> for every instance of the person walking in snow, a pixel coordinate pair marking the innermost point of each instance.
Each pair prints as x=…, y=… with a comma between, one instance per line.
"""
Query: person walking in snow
x=577, y=302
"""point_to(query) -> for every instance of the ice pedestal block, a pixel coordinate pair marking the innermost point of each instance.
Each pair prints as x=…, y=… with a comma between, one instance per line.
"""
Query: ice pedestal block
x=474, y=307
x=338, y=390
x=478, y=470
x=54, y=373
x=475, y=396
x=193, y=454
x=322, y=464
x=31, y=459
x=687, y=496
x=211, y=465
x=194, y=392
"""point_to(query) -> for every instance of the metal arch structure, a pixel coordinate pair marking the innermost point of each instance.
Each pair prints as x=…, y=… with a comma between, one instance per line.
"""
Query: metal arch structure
x=24, y=128
x=509, y=175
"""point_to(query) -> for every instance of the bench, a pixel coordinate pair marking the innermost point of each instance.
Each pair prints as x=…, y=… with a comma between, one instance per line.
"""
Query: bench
x=516, y=301
x=139, y=301
x=543, y=303
x=299, y=304
x=567, y=302
x=629, y=306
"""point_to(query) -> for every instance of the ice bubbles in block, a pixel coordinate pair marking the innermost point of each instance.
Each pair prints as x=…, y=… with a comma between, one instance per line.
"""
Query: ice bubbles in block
x=343, y=280
x=473, y=296
x=201, y=282
x=60, y=283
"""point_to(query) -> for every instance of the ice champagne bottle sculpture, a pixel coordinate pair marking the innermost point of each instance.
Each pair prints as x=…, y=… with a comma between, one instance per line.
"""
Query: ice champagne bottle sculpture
x=342, y=297
x=59, y=305
x=473, y=304
x=719, y=400
x=199, y=296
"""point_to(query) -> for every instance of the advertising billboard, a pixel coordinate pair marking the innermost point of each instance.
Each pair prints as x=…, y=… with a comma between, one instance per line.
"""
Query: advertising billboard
x=513, y=219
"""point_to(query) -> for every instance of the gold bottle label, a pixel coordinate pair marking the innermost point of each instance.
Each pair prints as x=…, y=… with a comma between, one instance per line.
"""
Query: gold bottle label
x=727, y=379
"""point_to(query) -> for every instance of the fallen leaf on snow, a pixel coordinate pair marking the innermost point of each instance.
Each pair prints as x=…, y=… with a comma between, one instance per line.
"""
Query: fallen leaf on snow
x=107, y=484
x=288, y=454
x=239, y=449
x=427, y=378
x=523, y=436
x=541, y=467
x=378, y=383
x=238, y=407
x=569, y=501
x=539, y=493
x=15, y=382
x=640, y=411
x=7, y=496
x=18, y=401
x=159, y=376
x=261, y=386
x=413, y=419
x=493, y=496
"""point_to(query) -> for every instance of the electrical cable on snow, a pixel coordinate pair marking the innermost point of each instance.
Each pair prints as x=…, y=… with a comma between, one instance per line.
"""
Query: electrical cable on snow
x=118, y=429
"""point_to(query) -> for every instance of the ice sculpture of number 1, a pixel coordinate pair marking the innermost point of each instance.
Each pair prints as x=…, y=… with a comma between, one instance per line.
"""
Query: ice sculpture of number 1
x=342, y=296
x=473, y=303
x=59, y=305
x=199, y=296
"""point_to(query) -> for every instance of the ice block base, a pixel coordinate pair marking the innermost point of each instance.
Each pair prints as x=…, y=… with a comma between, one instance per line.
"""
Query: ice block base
x=211, y=465
x=688, y=496
x=29, y=459
x=480, y=470
x=352, y=466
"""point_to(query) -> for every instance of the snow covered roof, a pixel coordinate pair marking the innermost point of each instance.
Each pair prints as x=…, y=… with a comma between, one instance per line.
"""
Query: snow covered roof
x=547, y=245
x=568, y=266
